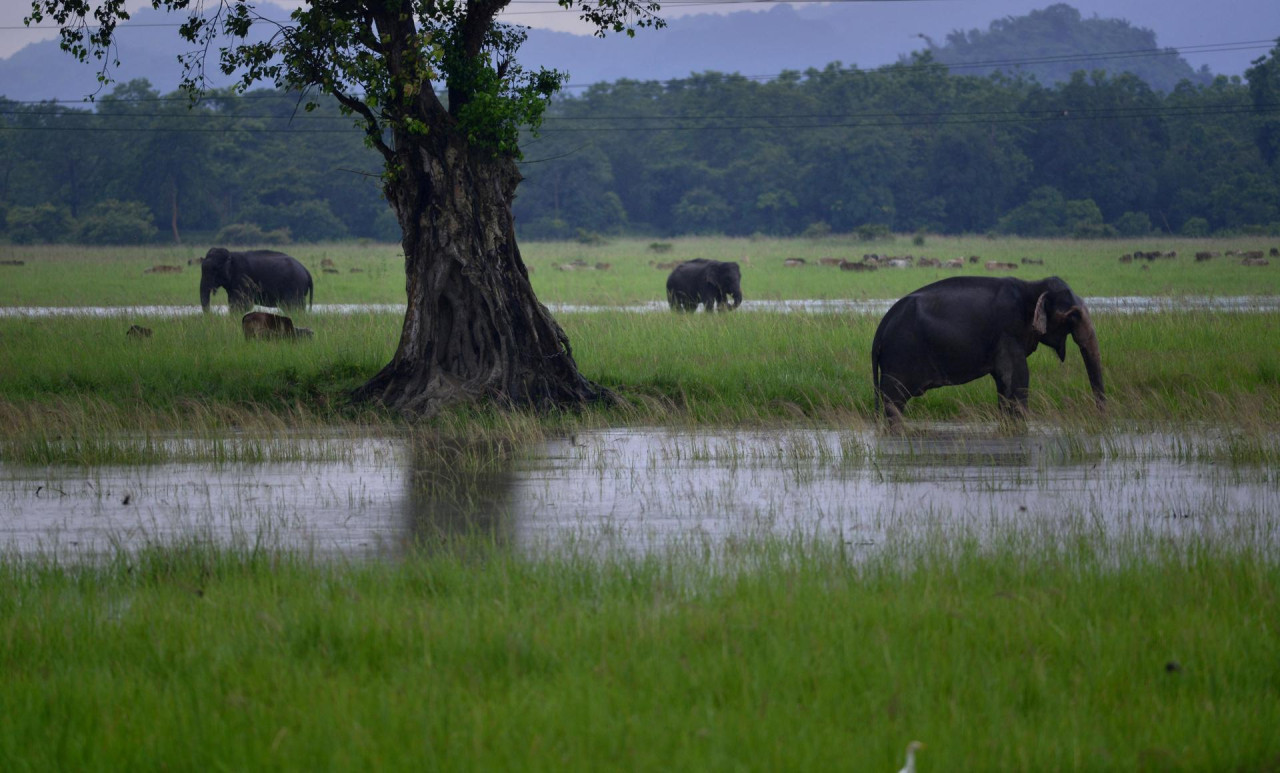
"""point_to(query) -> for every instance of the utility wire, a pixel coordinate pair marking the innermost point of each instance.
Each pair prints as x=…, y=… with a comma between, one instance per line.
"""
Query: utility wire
x=1047, y=112
x=880, y=120
x=895, y=68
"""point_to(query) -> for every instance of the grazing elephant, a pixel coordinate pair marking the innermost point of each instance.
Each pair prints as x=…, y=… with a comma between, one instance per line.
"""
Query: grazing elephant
x=959, y=329
x=709, y=282
x=264, y=325
x=264, y=277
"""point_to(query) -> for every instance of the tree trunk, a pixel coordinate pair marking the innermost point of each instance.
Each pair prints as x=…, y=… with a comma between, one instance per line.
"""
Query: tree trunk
x=473, y=329
x=173, y=201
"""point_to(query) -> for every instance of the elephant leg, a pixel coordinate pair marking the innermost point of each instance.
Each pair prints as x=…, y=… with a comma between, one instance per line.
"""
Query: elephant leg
x=893, y=399
x=1013, y=380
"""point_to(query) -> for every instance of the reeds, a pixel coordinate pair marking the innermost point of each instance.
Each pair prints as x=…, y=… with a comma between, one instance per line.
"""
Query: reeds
x=74, y=389
x=784, y=654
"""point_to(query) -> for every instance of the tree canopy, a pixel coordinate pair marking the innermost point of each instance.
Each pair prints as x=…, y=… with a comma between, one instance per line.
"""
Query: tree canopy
x=437, y=91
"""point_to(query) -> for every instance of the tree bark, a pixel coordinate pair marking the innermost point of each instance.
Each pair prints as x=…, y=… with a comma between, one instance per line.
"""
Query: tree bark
x=173, y=199
x=473, y=329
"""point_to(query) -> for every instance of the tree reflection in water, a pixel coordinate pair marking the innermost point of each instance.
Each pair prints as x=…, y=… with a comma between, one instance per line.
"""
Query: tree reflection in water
x=460, y=494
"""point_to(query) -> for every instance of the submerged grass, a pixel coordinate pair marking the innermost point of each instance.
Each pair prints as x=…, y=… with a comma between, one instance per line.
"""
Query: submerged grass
x=782, y=656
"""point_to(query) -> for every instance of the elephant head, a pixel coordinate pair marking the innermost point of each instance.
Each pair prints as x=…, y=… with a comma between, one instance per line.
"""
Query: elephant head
x=216, y=270
x=229, y=270
x=728, y=277
x=1059, y=312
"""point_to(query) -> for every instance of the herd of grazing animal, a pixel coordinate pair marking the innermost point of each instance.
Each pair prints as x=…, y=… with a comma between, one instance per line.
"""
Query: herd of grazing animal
x=949, y=332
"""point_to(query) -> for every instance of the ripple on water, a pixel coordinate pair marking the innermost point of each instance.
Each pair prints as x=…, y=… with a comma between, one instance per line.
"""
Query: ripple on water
x=635, y=491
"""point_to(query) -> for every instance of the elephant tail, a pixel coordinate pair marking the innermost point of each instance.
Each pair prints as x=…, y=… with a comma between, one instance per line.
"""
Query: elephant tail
x=311, y=294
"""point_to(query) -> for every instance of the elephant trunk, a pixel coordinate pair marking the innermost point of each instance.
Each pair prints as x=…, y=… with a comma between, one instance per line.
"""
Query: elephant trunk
x=737, y=299
x=206, y=288
x=1085, y=337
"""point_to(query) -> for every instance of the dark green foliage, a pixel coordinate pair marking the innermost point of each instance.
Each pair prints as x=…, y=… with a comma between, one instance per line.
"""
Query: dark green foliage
x=1264, y=88
x=907, y=148
x=250, y=233
x=1048, y=213
x=1195, y=226
x=116, y=222
x=911, y=148
x=228, y=160
x=312, y=219
x=1133, y=224
x=42, y=223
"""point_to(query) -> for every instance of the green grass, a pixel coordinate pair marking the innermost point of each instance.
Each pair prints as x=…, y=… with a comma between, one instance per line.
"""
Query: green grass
x=789, y=657
x=78, y=276
x=69, y=387
x=76, y=376
x=798, y=654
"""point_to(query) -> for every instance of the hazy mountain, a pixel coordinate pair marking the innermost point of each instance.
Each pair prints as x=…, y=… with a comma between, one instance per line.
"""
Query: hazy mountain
x=753, y=43
x=1057, y=41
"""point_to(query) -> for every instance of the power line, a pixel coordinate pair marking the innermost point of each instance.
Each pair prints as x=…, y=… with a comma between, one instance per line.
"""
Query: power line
x=788, y=123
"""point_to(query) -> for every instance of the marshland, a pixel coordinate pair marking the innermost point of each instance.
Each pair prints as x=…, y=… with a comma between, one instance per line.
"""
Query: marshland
x=214, y=556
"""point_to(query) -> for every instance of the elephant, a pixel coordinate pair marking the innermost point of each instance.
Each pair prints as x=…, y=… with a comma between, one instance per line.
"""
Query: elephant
x=264, y=277
x=963, y=328
x=709, y=282
x=267, y=326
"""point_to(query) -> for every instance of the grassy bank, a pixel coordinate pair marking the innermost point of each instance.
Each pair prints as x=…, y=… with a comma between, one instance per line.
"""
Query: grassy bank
x=75, y=376
x=374, y=273
x=1010, y=658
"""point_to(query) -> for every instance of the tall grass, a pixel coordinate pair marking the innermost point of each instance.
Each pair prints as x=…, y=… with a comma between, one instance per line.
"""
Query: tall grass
x=786, y=656
x=72, y=378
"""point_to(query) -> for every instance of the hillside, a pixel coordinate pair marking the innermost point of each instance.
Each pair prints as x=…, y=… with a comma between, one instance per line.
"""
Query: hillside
x=1053, y=43
x=752, y=43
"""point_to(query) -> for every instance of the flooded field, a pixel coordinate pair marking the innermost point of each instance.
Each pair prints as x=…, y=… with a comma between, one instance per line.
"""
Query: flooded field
x=1118, y=305
x=638, y=491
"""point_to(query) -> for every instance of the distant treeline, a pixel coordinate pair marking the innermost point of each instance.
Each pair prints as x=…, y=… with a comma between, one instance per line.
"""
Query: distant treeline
x=141, y=166
x=907, y=148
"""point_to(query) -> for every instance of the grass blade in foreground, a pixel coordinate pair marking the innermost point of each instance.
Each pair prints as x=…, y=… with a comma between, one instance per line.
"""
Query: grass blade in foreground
x=787, y=657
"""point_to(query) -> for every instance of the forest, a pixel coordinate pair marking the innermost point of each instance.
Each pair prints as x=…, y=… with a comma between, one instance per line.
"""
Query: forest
x=919, y=146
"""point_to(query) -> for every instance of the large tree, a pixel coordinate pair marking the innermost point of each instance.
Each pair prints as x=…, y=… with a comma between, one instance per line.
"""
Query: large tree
x=437, y=90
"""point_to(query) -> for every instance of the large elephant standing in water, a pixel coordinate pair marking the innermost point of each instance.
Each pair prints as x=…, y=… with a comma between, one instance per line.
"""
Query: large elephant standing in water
x=963, y=328
x=264, y=277
x=709, y=282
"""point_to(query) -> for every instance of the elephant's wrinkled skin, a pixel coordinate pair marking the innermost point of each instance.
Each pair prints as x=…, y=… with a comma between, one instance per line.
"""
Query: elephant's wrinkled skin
x=709, y=282
x=963, y=328
x=264, y=277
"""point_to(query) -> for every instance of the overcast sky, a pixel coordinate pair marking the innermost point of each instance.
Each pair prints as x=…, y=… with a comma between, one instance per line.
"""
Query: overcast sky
x=1177, y=23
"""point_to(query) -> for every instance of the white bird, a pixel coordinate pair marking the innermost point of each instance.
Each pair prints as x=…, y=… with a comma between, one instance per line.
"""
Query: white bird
x=912, y=747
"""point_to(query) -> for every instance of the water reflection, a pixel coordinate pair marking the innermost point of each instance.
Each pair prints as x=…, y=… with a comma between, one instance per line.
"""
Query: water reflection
x=462, y=493
x=638, y=491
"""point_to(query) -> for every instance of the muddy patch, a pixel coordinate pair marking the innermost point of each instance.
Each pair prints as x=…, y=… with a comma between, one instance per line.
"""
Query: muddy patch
x=640, y=491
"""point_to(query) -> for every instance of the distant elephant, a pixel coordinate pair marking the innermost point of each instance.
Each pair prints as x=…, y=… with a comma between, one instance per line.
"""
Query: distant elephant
x=962, y=328
x=268, y=326
x=709, y=282
x=264, y=277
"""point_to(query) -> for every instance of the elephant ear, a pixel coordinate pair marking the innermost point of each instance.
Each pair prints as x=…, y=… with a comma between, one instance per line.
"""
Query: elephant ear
x=1072, y=315
x=1039, y=321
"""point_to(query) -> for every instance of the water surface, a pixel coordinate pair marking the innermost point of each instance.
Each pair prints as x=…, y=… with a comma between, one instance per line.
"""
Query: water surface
x=639, y=491
x=1117, y=305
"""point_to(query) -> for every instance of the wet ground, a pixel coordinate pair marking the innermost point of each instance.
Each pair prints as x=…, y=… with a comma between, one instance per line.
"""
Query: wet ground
x=1118, y=304
x=636, y=491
